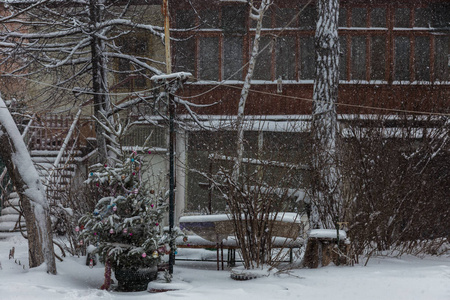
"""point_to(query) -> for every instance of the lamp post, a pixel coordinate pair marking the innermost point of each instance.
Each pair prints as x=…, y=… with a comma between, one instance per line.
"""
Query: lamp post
x=170, y=83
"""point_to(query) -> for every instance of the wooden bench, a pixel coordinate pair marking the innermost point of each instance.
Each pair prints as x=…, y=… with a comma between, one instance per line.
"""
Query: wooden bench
x=197, y=242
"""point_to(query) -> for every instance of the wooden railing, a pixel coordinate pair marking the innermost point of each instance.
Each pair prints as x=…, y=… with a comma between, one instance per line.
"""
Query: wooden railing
x=49, y=132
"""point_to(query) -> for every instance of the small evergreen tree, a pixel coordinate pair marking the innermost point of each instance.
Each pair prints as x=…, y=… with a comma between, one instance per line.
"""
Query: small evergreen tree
x=126, y=225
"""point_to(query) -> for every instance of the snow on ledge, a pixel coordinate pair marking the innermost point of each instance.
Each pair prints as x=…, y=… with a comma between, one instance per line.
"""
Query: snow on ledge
x=288, y=217
x=327, y=234
x=178, y=75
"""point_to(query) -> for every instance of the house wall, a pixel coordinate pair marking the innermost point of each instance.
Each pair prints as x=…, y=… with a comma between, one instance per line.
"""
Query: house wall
x=394, y=57
x=394, y=54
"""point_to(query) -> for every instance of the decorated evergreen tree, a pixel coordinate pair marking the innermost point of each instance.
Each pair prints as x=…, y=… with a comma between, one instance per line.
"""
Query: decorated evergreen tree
x=126, y=225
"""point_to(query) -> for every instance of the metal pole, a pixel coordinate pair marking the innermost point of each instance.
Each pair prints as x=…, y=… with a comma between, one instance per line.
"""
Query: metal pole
x=171, y=179
x=171, y=135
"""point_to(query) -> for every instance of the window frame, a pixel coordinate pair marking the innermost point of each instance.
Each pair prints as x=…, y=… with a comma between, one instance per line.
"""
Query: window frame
x=389, y=33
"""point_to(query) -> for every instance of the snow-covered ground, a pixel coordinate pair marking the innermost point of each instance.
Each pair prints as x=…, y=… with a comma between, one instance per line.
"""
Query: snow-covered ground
x=407, y=278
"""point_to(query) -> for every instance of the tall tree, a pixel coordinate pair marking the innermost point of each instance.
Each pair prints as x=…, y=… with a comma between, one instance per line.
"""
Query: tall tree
x=80, y=46
x=326, y=206
x=31, y=191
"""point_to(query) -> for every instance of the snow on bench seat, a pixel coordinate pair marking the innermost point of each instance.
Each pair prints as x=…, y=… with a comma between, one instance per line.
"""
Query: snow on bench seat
x=327, y=234
x=218, y=227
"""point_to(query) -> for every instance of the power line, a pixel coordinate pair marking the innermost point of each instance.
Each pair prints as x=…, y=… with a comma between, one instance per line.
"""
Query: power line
x=83, y=92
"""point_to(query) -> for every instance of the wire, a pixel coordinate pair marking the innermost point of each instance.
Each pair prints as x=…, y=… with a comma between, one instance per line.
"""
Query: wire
x=84, y=92
x=340, y=104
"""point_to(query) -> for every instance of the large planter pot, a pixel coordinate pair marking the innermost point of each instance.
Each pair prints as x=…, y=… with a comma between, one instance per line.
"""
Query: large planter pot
x=132, y=279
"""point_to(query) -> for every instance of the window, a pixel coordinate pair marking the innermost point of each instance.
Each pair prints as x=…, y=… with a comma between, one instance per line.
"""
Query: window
x=359, y=17
x=423, y=17
x=285, y=58
x=378, y=57
x=378, y=17
x=185, y=19
x=410, y=56
x=267, y=20
x=215, y=54
x=401, y=18
x=343, y=58
x=441, y=59
x=185, y=55
x=358, y=58
x=221, y=46
x=232, y=57
x=209, y=18
x=264, y=61
x=130, y=75
x=441, y=13
x=342, y=22
x=307, y=58
x=401, y=58
x=271, y=150
x=422, y=58
x=284, y=17
x=209, y=56
x=233, y=18
x=307, y=18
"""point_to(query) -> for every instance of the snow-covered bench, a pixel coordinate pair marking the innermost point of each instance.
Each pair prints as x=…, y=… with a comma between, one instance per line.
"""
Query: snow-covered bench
x=217, y=232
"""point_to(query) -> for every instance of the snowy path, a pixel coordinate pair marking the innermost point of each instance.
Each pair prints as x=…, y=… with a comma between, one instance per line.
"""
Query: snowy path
x=409, y=278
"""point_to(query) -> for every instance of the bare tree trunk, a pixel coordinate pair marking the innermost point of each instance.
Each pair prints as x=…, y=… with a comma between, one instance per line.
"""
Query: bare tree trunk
x=31, y=192
x=326, y=184
x=102, y=105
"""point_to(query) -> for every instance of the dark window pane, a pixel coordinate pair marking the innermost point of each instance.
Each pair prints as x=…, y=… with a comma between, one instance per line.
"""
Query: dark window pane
x=342, y=17
x=140, y=81
x=185, y=18
x=441, y=58
x=136, y=45
x=209, y=58
x=307, y=18
x=233, y=18
x=209, y=18
x=343, y=58
x=185, y=56
x=285, y=15
x=307, y=58
x=285, y=58
x=423, y=17
x=378, y=61
x=359, y=17
x=378, y=17
x=358, y=57
x=441, y=13
x=232, y=58
x=267, y=20
x=422, y=58
x=124, y=68
x=264, y=60
x=402, y=17
x=402, y=53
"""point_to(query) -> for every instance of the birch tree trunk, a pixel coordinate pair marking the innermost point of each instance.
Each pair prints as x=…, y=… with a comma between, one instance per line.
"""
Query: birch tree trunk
x=326, y=202
x=256, y=14
x=249, y=216
x=31, y=192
